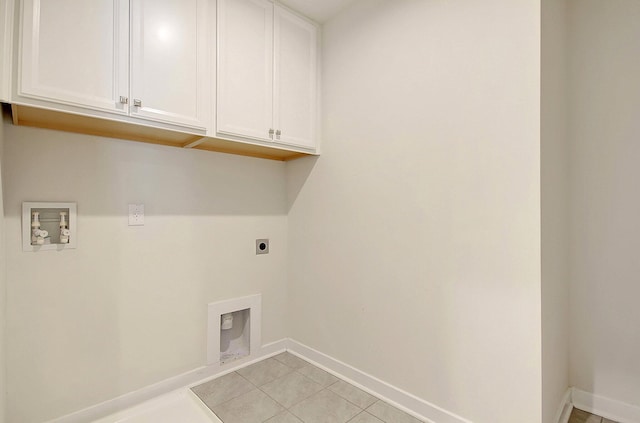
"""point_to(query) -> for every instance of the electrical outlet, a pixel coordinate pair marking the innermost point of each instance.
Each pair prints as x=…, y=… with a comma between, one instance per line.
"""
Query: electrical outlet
x=262, y=246
x=136, y=214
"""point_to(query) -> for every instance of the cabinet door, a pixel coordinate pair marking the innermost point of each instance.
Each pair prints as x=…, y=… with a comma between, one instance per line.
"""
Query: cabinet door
x=295, y=99
x=6, y=11
x=169, y=61
x=245, y=68
x=76, y=52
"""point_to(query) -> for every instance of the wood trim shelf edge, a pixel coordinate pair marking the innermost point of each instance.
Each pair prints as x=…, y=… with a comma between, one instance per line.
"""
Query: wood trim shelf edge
x=69, y=122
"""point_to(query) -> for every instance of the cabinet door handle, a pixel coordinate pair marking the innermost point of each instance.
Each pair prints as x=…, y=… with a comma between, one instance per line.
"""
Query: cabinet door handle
x=124, y=100
x=271, y=133
x=137, y=102
x=278, y=133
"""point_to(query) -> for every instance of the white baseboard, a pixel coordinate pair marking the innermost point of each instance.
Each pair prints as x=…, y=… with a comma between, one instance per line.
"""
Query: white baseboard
x=606, y=407
x=611, y=409
x=405, y=401
x=188, y=379
x=564, y=410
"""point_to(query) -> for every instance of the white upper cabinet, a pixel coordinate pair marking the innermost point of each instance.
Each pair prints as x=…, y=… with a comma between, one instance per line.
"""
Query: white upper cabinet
x=294, y=97
x=245, y=68
x=169, y=80
x=266, y=75
x=6, y=31
x=76, y=52
x=202, y=72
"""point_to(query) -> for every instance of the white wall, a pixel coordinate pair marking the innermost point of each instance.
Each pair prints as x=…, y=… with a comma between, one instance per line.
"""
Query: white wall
x=604, y=47
x=555, y=214
x=2, y=281
x=414, y=240
x=128, y=307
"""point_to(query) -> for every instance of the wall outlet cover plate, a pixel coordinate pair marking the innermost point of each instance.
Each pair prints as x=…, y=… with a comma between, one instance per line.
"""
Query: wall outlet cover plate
x=136, y=214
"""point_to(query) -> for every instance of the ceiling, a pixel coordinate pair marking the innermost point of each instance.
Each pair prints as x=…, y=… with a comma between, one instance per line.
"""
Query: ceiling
x=318, y=10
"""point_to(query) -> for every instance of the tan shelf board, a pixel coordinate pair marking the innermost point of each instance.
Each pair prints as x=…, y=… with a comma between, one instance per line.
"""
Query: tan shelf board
x=61, y=121
x=232, y=147
x=68, y=122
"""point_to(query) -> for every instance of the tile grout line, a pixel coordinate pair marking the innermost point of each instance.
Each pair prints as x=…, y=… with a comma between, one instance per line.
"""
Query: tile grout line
x=296, y=416
x=284, y=409
x=277, y=402
x=339, y=380
x=326, y=388
x=365, y=411
x=294, y=371
x=311, y=365
x=226, y=401
x=252, y=384
x=230, y=399
x=346, y=399
x=255, y=387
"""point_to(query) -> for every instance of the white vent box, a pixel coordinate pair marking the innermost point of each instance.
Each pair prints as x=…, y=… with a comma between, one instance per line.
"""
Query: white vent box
x=233, y=329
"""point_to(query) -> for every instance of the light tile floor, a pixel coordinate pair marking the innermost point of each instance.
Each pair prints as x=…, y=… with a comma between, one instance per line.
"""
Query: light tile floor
x=579, y=416
x=287, y=389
